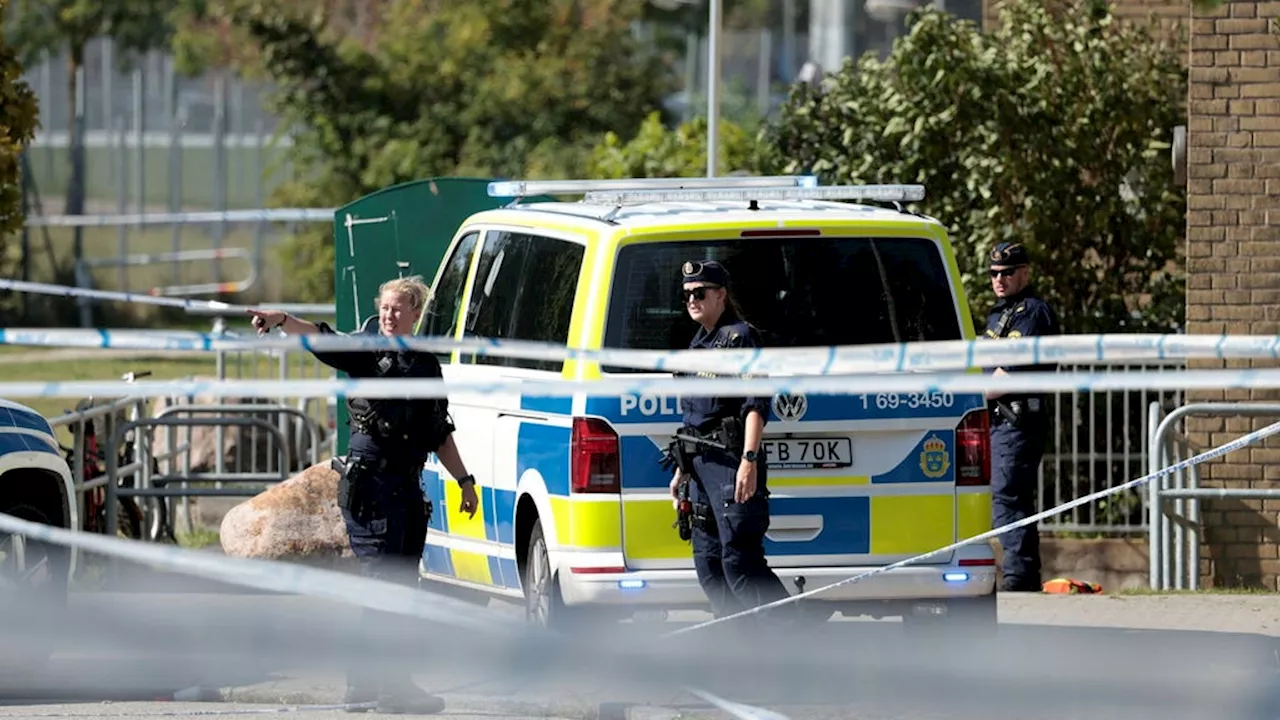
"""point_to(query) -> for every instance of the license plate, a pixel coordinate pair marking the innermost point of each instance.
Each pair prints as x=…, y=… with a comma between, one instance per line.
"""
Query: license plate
x=807, y=453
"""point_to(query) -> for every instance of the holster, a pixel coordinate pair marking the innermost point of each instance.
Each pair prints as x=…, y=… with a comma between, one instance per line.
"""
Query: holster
x=348, y=490
x=703, y=518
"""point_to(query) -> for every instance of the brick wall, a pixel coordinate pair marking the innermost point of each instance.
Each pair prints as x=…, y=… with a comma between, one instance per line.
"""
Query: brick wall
x=1233, y=250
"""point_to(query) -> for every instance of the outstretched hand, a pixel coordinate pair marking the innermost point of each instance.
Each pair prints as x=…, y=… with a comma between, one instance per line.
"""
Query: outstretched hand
x=264, y=321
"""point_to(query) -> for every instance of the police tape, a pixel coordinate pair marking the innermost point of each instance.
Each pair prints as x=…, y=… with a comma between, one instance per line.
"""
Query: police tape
x=67, y=291
x=283, y=577
x=230, y=216
x=1219, y=451
x=276, y=576
x=883, y=394
x=830, y=360
x=737, y=710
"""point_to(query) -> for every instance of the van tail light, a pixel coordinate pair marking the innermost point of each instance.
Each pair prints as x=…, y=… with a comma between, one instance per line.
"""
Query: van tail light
x=973, y=443
x=594, y=459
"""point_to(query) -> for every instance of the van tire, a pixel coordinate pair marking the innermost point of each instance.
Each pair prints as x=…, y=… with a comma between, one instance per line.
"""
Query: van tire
x=543, y=604
x=31, y=605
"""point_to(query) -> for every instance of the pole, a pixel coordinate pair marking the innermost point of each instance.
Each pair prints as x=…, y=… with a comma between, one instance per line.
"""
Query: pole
x=713, y=88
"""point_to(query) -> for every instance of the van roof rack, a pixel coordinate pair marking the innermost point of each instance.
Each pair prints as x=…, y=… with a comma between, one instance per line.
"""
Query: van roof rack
x=522, y=188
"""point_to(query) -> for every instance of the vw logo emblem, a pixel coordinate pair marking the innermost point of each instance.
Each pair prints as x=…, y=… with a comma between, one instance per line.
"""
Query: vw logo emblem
x=790, y=407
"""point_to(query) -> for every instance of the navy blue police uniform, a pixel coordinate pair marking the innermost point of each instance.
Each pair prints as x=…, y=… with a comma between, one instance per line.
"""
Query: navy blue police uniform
x=1019, y=431
x=727, y=536
x=379, y=495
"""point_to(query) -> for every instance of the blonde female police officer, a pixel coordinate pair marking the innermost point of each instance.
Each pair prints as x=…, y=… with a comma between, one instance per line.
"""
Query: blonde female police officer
x=379, y=493
x=730, y=487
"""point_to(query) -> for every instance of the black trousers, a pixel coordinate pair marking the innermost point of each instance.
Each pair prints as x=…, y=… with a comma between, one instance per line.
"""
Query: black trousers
x=730, y=561
x=387, y=529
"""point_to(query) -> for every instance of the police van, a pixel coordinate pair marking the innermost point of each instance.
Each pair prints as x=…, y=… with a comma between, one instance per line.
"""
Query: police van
x=36, y=486
x=575, y=515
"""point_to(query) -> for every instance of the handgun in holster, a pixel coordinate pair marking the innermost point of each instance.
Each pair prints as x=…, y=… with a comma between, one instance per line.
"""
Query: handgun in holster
x=349, y=472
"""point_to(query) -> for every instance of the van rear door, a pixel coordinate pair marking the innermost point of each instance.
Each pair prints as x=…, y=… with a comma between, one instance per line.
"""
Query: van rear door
x=865, y=478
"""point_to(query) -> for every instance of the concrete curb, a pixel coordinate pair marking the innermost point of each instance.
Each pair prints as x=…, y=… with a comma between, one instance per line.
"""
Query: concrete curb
x=293, y=691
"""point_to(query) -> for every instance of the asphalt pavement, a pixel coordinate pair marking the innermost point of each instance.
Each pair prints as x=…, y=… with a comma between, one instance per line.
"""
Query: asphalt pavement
x=180, y=655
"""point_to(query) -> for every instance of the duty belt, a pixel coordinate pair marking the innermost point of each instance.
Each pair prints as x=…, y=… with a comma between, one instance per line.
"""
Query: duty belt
x=373, y=429
x=387, y=464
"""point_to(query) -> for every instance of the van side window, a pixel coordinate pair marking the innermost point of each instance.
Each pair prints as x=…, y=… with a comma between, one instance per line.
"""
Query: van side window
x=524, y=290
x=441, y=318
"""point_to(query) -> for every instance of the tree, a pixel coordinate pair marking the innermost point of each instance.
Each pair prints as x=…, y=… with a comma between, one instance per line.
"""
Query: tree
x=42, y=28
x=486, y=87
x=657, y=151
x=19, y=118
x=1052, y=131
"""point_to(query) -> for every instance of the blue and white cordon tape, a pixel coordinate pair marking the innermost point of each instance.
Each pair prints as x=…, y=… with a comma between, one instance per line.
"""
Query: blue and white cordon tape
x=830, y=360
x=276, y=576
x=885, y=390
x=1219, y=451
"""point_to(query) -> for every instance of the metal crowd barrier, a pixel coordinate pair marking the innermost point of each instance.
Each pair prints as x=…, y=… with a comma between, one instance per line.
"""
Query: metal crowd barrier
x=1174, y=529
x=114, y=492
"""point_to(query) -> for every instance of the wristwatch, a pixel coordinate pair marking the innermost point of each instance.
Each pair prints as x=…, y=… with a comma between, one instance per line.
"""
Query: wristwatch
x=468, y=478
x=750, y=456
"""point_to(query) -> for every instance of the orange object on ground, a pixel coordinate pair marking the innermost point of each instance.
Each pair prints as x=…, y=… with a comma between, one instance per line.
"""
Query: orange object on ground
x=1070, y=586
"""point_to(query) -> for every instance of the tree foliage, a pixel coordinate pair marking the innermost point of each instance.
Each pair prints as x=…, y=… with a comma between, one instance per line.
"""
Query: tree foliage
x=19, y=118
x=1053, y=131
x=658, y=151
x=44, y=28
x=485, y=87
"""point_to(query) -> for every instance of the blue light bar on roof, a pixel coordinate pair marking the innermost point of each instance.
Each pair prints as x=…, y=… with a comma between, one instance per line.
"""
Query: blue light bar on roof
x=522, y=188
x=882, y=193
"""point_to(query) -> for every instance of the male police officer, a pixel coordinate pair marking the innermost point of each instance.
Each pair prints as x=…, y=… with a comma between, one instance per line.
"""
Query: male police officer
x=1019, y=423
x=379, y=492
x=729, y=486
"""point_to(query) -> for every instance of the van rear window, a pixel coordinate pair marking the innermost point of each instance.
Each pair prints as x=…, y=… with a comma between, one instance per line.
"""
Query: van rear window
x=799, y=292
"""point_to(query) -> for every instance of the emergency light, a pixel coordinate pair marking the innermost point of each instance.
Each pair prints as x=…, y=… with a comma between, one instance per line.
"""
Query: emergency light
x=882, y=193
x=521, y=188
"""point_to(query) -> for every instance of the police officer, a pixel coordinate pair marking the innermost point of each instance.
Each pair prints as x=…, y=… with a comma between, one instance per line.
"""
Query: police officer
x=1019, y=423
x=728, y=488
x=379, y=494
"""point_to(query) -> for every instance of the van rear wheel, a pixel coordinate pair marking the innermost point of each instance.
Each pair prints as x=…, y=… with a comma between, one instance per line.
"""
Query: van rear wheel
x=544, y=605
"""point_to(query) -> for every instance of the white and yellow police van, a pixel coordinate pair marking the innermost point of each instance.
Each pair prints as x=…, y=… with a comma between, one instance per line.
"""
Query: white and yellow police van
x=575, y=513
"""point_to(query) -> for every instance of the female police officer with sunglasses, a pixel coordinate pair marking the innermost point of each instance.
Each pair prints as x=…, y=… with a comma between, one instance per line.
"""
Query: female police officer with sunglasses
x=727, y=487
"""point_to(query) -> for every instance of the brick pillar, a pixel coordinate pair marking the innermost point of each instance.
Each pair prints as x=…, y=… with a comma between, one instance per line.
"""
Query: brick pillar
x=1233, y=266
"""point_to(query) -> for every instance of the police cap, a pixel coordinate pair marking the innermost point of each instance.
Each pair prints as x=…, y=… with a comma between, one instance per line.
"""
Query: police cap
x=708, y=271
x=1008, y=254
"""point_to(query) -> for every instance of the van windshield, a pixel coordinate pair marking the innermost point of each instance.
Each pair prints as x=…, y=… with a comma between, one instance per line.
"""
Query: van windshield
x=799, y=291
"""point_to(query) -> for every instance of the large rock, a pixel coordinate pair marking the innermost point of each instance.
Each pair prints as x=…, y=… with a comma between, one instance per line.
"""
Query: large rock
x=297, y=519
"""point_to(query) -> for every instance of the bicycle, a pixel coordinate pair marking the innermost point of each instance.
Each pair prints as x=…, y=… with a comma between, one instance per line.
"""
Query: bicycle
x=130, y=517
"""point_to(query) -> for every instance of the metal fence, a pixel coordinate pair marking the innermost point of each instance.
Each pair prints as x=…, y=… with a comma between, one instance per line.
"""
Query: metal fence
x=130, y=479
x=1100, y=440
x=1176, y=532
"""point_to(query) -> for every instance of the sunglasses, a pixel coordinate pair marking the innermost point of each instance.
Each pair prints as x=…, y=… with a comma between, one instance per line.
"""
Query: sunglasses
x=1007, y=272
x=699, y=293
